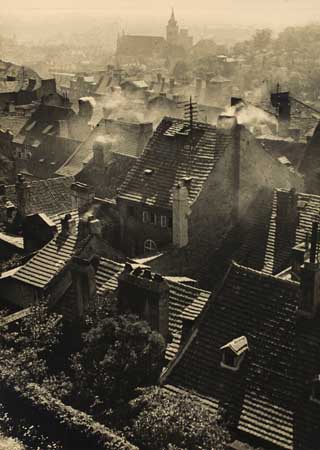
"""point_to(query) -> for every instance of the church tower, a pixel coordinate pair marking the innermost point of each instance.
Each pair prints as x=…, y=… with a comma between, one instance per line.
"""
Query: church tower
x=172, y=30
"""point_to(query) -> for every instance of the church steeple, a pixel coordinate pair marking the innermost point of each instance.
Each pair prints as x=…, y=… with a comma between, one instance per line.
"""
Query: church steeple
x=172, y=20
x=172, y=29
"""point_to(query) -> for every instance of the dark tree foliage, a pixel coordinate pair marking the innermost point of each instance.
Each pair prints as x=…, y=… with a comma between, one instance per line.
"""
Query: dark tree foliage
x=119, y=354
x=25, y=348
x=165, y=421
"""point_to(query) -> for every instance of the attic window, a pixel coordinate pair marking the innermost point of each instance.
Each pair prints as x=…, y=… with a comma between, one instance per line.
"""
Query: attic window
x=148, y=172
x=315, y=390
x=233, y=353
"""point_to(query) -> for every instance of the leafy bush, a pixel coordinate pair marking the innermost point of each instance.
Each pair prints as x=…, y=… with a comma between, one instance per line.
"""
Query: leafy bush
x=165, y=421
x=119, y=354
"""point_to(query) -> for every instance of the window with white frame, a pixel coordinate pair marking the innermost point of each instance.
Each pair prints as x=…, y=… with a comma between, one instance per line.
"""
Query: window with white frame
x=163, y=221
x=145, y=216
x=153, y=218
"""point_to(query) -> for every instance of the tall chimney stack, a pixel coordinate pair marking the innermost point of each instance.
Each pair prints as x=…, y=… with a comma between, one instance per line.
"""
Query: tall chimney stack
x=180, y=215
x=310, y=277
x=23, y=191
x=146, y=295
x=83, y=273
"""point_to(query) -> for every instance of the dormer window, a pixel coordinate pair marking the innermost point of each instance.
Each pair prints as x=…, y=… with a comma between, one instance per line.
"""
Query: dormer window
x=233, y=353
x=315, y=390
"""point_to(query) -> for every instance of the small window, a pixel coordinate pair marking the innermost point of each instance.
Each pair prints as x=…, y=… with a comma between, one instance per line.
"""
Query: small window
x=9, y=214
x=233, y=353
x=153, y=218
x=163, y=221
x=145, y=217
x=131, y=211
x=150, y=246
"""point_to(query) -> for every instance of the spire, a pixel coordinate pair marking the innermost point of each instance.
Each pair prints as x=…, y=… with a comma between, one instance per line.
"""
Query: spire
x=172, y=20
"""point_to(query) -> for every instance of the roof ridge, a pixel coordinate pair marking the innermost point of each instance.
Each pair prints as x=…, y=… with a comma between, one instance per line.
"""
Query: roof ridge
x=261, y=274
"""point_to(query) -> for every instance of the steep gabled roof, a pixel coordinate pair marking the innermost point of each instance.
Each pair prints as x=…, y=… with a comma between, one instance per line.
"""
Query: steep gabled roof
x=40, y=270
x=269, y=397
x=185, y=302
x=279, y=244
x=171, y=156
x=52, y=196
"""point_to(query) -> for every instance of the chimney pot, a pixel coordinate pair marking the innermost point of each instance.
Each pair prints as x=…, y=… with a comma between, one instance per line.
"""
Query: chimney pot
x=128, y=267
x=147, y=274
x=137, y=271
x=158, y=278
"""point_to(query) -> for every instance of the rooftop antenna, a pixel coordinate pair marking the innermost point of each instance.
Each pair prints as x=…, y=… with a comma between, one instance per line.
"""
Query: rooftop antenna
x=190, y=116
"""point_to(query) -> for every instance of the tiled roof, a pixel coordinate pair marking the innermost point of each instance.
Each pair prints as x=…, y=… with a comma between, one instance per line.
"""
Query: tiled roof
x=302, y=116
x=45, y=116
x=107, y=182
x=294, y=151
x=12, y=123
x=49, y=157
x=269, y=397
x=127, y=137
x=185, y=302
x=282, y=239
x=40, y=270
x=171, y=157
x=52, y=196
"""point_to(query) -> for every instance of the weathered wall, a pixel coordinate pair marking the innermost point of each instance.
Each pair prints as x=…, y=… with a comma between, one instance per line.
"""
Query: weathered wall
x=134, y=232
x=215, y=210
x=259, y=169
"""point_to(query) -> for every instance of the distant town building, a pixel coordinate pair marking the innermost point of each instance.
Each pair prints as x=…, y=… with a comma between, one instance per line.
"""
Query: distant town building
x=141, y=47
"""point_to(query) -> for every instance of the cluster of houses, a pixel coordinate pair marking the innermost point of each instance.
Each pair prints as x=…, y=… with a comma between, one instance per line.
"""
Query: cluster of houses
x=208, y=232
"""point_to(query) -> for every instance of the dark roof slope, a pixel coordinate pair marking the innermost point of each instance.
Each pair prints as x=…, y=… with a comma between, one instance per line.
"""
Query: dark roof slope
x=40, y=270
x=185, y=301
x=269, y=397
x=297, y=225
x=171, y=156
x=52, y=196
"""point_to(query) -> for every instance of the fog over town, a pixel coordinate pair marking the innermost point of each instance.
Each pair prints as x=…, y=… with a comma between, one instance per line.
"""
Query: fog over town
x=160, y=225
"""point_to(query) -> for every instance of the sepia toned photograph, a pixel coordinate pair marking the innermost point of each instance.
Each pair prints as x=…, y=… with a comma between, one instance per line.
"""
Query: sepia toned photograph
x=160, y=225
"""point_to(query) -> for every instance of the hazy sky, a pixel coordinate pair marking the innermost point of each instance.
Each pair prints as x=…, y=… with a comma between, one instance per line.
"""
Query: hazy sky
x=246, y=12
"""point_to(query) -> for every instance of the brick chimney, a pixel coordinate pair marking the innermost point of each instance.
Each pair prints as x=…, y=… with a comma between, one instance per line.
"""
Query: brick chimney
x=23, y=192
x=64, y=131
x=286, y=222
x=171, y=85
x=86, y=107
x=101, y=151
x=146, y=295
x=281, y=101
x=82, y=195
x=68, y=225
x=180, y=215
x=310, y=277
x=162, y=87
x=83, y=273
